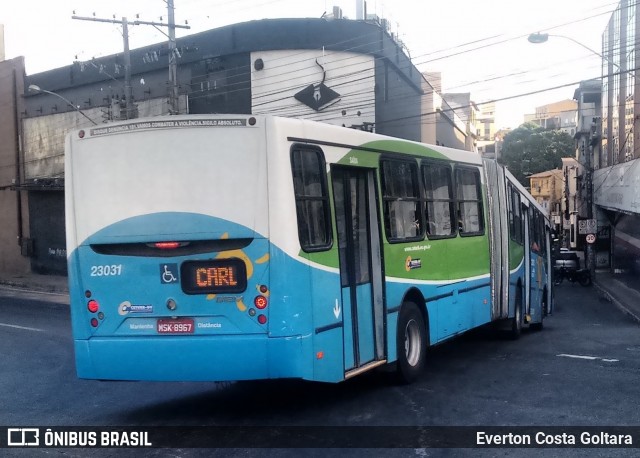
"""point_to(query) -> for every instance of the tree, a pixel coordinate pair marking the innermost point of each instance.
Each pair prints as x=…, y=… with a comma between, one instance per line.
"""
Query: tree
x=531, y=149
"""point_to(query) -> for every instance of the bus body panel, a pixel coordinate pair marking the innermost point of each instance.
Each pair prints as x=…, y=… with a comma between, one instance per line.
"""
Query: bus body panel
x=222, y=188
x=179, y=358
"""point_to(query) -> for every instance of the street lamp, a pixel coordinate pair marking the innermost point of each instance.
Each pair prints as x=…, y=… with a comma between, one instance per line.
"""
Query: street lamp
x=36, y=88
x=537, y=38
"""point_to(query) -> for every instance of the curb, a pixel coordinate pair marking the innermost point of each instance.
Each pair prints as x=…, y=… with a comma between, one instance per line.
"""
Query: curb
x=609, y=297
x=26, y=286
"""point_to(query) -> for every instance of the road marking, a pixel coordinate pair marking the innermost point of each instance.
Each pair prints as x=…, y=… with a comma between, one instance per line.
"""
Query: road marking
x=21, y=327
x=590, y=358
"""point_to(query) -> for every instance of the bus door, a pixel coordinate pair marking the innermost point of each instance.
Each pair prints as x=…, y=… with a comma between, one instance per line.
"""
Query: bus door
x=356, y=213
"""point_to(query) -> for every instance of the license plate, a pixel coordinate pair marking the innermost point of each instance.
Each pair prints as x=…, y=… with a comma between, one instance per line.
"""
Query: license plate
x=177, y=326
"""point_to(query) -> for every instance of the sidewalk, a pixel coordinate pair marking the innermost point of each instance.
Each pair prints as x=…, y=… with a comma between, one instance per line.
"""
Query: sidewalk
x=36, y=282
x=616, y=289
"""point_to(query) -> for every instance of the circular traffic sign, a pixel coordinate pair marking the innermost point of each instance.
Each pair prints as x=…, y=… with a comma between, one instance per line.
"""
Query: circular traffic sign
x=591, y=238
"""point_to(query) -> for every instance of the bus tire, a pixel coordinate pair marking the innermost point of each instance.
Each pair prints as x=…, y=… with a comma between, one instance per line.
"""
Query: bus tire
x=411, y=341
x=516, y=321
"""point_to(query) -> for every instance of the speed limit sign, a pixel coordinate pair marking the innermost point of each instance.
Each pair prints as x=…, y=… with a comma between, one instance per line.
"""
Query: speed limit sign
x=591, y=238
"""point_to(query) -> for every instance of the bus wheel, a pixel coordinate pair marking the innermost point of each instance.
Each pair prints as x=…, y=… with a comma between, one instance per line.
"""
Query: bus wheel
x=411, y=343
x=516, y=321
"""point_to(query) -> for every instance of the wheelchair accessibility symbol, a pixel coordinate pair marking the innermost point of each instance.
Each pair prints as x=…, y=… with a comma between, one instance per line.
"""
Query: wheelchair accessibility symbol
x=168, y=273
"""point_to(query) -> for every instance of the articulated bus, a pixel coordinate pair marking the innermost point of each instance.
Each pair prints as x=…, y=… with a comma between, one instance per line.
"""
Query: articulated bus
x=239, y=247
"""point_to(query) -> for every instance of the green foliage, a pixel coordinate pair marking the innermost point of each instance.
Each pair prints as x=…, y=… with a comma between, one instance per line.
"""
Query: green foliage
x=531, y=149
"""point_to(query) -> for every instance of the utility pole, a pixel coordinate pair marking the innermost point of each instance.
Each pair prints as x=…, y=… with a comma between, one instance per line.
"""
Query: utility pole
x=590, y=261
x=594, y=139
x=173, y=52
x=128, y=89
x=173, y=64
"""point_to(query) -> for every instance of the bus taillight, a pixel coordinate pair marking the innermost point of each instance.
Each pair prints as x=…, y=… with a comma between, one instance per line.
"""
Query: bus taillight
x=262, y=319
x=168, y=245
x=260, y=302
x=93, y=306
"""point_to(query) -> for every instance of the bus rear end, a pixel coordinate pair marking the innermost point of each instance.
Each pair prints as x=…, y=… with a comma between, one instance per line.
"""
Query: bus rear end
x=167, y=238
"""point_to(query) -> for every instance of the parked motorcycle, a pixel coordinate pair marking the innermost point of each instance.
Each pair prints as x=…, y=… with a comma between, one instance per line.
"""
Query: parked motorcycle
x=582, y=276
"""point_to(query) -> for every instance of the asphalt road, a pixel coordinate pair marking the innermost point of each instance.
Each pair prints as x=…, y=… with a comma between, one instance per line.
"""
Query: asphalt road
x=583, y=369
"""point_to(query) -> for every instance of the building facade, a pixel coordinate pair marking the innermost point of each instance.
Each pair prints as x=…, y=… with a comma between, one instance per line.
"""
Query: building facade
x=588, y=152
x=486, y=129
x=469, y=113
x=616, y=189
x=620, y=110
x=572, y=172
x=558, y=115
x=15, y=244
x=444, y=121
x=548, y=188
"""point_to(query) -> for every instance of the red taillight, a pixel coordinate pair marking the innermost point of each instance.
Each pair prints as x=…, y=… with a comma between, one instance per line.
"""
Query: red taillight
x=167, y=245
x=264, y=289
x=94, y=322
x=262, y=319
x=93, y=306
x=260, y=302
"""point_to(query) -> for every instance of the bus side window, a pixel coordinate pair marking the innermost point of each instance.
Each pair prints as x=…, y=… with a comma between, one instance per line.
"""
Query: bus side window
x=518, y=217
x=312, y=198
x=469, y=198
x=439, y=201
x=402, y=201
x=510, y=212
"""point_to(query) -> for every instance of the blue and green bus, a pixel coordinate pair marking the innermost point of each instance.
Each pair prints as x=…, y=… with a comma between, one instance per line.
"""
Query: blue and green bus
x=239, y=247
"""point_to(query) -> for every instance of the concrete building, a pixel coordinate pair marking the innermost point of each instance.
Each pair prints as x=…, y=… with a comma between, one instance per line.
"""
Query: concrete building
x=617, y=169
x=15, y=244
x=620, y=112
x=443, y=123
x=558, y=115
x=487, y=129
x=548, y=190
x=572, y=172
x=469, y=113
x=350, y=73
x=588, y=152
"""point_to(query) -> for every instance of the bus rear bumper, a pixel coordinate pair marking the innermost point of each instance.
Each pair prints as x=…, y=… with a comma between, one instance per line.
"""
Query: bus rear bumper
x=189, y=358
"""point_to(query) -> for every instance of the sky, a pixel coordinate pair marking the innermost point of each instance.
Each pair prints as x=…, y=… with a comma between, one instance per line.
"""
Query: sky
x=479, y=47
